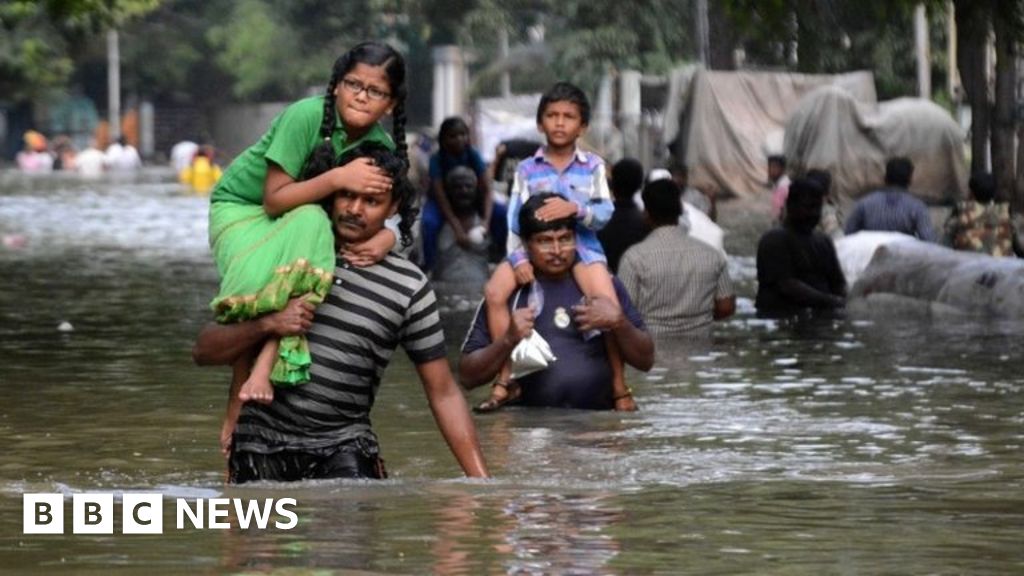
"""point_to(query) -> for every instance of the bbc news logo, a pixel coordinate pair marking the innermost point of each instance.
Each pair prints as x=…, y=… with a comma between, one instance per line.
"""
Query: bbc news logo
x=94, y=513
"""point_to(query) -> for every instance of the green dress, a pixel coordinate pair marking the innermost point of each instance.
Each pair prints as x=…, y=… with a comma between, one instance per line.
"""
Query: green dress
x=263, y=261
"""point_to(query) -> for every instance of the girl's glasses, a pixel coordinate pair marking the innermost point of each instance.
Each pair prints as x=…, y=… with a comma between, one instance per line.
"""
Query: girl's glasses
x=354, y=87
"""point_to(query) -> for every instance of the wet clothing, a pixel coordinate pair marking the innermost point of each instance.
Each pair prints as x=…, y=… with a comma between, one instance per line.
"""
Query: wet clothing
x=984, y=228
x=352, y=460
x=581, y=377
x=264, y=261
x=810, y=258
x=675, y=280
x=892, y=210
x=583, y=181
x=626, y=228
x=368, y=313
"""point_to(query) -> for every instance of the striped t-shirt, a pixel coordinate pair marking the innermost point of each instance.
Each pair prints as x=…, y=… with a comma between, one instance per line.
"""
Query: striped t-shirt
x=368, y=313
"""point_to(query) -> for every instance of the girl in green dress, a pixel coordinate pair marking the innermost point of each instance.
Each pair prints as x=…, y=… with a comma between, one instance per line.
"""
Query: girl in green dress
x=271, y=239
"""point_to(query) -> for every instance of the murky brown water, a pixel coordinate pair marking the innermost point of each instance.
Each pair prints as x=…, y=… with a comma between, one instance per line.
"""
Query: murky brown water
x=883, y=443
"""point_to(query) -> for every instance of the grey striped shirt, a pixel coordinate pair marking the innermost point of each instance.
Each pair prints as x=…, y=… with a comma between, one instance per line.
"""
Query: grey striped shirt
x=368, y=313
x=674, y=280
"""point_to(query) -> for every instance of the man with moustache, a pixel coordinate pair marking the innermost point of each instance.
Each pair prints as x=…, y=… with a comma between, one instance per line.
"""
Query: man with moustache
x=581, y=376
x=321, y=428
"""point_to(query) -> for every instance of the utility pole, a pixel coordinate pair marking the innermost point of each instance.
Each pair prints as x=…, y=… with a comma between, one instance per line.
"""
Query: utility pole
x=506, y=77
x=924, y=72
x=113, y=85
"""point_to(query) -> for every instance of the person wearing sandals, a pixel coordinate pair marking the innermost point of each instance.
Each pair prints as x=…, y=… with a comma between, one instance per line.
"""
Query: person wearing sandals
x=581, y=375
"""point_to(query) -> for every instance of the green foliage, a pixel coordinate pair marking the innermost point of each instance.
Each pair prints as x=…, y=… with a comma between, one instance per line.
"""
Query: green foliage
x=33, y=54
x=256, y=48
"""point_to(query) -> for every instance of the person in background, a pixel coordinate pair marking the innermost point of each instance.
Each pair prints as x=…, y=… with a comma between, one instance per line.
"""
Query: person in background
x=64, y=153
x=706, y=203
x=679, y=284
x=89, y=162
x=831, y=223
x=980, y=224
x=35, y=157
x=893, y=208
x=457, y=263
x=778, y=183
x=627, y=225
x=121, y=156
x=202, y=173
x=182, y=154
x=797, y=267
x=454, y=149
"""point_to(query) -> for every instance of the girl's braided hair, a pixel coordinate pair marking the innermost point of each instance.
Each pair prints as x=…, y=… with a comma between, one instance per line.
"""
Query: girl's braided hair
x=372, y=54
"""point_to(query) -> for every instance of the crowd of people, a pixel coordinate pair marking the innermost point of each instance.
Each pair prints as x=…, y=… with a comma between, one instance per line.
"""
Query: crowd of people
x=589, y=268
x=40, y=156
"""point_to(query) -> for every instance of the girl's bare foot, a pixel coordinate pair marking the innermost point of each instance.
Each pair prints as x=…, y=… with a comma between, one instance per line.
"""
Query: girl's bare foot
x=257, y=389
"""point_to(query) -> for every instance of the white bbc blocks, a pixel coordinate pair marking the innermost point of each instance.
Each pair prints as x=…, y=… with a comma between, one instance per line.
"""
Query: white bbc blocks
x=43, y=514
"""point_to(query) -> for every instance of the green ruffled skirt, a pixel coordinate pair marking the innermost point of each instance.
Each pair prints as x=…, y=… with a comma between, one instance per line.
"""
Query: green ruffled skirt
x=264, y=262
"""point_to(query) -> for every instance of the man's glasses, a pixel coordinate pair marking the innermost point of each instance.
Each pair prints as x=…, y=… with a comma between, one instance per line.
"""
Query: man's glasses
x=354, y=87
x=551, y=245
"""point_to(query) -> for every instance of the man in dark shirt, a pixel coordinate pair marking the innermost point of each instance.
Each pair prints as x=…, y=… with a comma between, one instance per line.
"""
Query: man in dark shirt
x=627, y=225
x=797, y=268
x=581, y=376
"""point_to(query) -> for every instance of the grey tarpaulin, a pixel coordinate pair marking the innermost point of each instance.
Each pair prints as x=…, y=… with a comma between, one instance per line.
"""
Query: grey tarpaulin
x=728, y=119
x=832, y=130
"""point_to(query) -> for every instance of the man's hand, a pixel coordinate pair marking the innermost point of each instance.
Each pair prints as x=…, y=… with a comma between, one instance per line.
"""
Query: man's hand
x=371, y=251
x=296, y=318
x=556, y=209
x=598, y=313
x=524, y=273
x=520, y=326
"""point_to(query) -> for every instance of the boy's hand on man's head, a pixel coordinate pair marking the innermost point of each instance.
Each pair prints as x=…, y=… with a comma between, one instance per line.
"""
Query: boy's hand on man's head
x=556, y=209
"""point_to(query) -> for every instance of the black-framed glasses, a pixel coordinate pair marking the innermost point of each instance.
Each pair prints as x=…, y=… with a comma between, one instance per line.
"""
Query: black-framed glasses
x=354, y=87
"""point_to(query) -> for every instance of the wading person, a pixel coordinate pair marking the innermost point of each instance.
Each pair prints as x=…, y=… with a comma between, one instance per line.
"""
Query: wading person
x=577, y=179
x=797, y=267
x=581, y=376
x=680, y=284
x=270, y=238
x=322, y=429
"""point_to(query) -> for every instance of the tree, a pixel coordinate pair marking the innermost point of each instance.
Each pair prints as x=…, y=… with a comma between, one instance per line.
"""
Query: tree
x=41, y=40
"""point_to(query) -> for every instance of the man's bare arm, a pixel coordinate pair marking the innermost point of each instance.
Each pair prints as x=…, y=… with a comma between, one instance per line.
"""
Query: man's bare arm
x=724, y=307
x=481, y=366
x=452, y=415
x=222, y=344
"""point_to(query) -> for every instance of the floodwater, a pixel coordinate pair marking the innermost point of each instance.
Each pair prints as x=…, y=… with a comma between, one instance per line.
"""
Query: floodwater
x=883, y=443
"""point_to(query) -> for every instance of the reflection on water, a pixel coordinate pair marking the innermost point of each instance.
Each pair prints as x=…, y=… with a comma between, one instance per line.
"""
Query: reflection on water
x=886, y=442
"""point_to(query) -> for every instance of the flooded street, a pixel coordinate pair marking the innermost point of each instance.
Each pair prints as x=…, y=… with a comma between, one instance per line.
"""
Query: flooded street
x=885, y=442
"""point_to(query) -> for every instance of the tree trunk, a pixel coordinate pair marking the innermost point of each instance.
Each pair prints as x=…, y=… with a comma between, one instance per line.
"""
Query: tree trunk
x=972, y=21
x=1004, y=118
x=721, y=39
